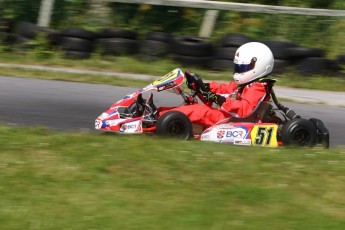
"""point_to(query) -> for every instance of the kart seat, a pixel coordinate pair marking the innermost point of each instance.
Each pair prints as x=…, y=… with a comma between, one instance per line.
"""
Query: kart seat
x=261, y=113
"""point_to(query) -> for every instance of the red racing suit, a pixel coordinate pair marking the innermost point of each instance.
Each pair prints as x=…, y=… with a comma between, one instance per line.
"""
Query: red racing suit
x=246, y=99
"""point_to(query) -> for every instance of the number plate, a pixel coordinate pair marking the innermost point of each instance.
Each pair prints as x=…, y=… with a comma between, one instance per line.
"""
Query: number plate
x=264, y=135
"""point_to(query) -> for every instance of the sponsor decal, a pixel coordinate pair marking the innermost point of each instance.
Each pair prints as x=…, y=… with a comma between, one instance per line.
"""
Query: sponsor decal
x=98, y=124
x=236, y=133
x=166, y=86
x=125, y=127
x=205, y=137
x=131, y=127
x=168, y=77
x=113, y=122
x=225, y=126
x=220, y=134
x=242, y=142
x=230, y=134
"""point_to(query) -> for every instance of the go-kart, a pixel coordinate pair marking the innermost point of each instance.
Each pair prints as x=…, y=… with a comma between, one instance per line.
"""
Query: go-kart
x=265, y=126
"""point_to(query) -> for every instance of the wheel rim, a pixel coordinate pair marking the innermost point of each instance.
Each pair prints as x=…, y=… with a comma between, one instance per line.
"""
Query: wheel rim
x=302, y=137
x=177, y=128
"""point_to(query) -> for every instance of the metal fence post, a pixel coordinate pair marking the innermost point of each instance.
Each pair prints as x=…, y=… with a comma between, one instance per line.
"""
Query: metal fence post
x=46, y=10
x=208, y=23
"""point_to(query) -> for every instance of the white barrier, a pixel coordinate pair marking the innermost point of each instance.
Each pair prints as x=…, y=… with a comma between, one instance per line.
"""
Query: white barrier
x=244, y=7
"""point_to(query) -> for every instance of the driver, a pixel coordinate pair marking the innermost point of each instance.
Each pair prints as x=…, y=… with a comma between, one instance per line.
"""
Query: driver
x=253, y=62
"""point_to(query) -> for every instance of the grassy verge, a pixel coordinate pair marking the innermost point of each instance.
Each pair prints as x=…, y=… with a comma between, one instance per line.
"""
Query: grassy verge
x=90, y=181
x=134, y=65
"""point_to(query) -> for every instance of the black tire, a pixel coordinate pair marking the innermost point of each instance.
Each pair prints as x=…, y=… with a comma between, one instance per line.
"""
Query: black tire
x=118, y=33
x=118, y=46
x=280, y=66
x=313, y=66
x=6, y=25
x=279, y=49
x=78, y=33
x=175, y=124
x=225, y=53
x=160, y=36
x=154, y=48
x=69, y=54
x=221, y=64
x=341, y=59
x=235, y=40
x=203, y=62
x=55, y=38
x=299, y=52
x=16, y=39
x=299, y=132
x=4, y=38
x=76, y=44
x=193, y=46
x=29, y=30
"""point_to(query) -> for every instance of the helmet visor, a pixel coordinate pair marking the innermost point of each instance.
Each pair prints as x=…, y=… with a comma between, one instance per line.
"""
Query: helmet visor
x=242, y=68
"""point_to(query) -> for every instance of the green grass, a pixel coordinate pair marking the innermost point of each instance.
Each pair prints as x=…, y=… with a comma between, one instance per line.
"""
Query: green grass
x=135, y=65
x=78, y=181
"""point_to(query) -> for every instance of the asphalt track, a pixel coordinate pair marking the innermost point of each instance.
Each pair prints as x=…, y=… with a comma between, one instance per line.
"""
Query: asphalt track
x=74, y=106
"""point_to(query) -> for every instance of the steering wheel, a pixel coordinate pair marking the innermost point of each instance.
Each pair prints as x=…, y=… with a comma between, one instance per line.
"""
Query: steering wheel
x=194, y=81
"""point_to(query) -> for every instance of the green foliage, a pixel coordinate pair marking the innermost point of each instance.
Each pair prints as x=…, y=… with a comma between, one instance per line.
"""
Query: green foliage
x=309, y=31
x=144, y=18
x=42, y=48
x=20, y=10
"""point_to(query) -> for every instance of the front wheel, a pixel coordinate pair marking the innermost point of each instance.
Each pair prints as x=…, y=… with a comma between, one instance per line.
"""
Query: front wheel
x=175, y=124
x=299, y=132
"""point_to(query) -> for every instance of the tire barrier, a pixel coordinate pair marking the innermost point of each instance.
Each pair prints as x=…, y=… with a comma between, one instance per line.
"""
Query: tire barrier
x=6, y=25
x=223, y=58
x=235, y=40
x=77, y=43
x=341, y=59
x=29, y=30
x=224, y=54
x=317, y=66
x=117, y=42
x=189, y=51
x=193, y=51
x=157, y=44
x=280, y=54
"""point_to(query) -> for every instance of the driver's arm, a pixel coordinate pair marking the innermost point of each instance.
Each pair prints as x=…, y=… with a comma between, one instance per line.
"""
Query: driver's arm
x=247, y=102
x=223, y=88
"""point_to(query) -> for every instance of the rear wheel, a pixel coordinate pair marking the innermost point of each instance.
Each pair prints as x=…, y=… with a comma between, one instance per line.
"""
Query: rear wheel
x=175, y=124
x=299, y=132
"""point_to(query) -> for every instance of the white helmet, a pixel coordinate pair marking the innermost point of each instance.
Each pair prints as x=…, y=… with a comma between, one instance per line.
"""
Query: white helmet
x=252, y=61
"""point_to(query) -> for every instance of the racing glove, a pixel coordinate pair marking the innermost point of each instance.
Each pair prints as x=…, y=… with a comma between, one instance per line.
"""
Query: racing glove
x=213, y=97
x=206, y=86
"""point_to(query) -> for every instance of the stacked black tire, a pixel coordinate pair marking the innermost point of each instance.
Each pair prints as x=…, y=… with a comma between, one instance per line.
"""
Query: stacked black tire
x=307, y=61
x=117, y=42
x=77, y=43
x=193, y=51
x=6, y=28
x=281, y=54
x=22, y=33
x=156, y=45
x=224, y=54
x=312, y=61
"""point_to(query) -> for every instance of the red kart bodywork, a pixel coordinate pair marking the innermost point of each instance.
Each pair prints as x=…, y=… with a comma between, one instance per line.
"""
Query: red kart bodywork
x=272, y=132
